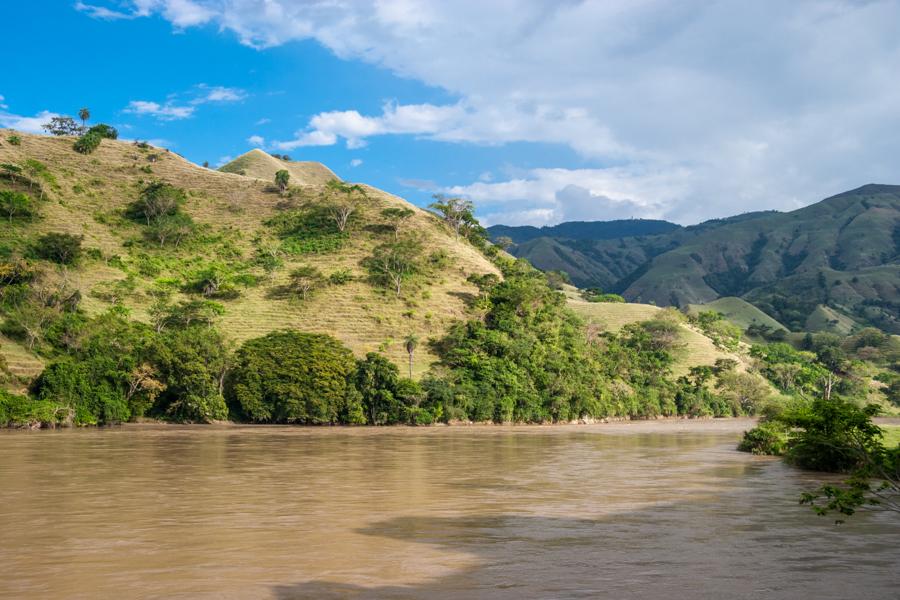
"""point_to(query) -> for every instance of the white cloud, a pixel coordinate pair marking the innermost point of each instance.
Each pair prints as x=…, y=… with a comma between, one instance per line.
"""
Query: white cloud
x=27, y=124
x=356, y=162
x=2, y=105
x=747, y=105
x=224, y=160
x=101, y=12
x=163, y=112
x=219, y=94
x=263, y=121
x=256, y=140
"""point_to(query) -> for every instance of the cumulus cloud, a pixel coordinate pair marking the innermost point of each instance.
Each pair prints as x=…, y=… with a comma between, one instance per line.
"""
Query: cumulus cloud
x=747, y=105
x=163, y=112
x=356, y=162
x=2, y=105
x=256, y=140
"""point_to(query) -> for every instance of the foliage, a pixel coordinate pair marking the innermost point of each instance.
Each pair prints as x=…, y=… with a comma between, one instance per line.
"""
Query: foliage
x=307, y=230
x=62, y=126
x=105, y=131
x=791, y=370
x=597, y=295
x=340, y=277
x=14, y=140
x=526, y=360
x=457, y=213
x=160, y=205
x=304, y=280
x=61, y=248
x=16, y=205
x=193, y=362
x=292, y=377
x=397, y=216
x=342, y=209
x=88, y=142
x=767, y=438
x=282, y=178
x=723, y=334
x=393, y=264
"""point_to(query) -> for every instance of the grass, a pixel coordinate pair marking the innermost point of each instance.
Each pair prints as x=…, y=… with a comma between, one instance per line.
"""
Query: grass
x=698, y=349
x=824, y=318
x=891, y=435
x=261, y=165
x=231, y=209
x=738, y=311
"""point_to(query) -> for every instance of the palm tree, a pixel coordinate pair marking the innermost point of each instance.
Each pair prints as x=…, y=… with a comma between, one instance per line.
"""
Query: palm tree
x=411, y=343
x=84, y=114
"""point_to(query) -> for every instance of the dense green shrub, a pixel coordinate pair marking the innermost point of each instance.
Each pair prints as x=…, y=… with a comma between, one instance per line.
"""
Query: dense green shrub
x=14, y=140
x=769, y=438
x=88, y=142
x=104, y=131
x=526, y=360
x=18, y=410
x=293, y=377
x=61, y=248
x=16, y=205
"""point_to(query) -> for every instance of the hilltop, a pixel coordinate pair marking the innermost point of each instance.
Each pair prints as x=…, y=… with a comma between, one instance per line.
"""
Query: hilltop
x=89, y=195
x=840, y=256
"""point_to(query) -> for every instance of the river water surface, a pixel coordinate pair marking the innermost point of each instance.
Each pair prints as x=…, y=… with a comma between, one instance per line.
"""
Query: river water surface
x=646, y=510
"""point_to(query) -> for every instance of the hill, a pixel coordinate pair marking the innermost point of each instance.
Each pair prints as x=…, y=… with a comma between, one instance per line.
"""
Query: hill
x=585, y=230
x=261, y=165
x=90, y=195
x=738, y=311
x=842, y=252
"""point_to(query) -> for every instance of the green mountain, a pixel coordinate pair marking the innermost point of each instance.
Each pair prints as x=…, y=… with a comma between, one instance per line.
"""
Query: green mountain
x=585, y=230
x=842, y=253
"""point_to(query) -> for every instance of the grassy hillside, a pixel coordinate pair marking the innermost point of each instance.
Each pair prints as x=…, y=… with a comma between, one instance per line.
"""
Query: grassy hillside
x=611, y=316
x=260, y=165
x=88, y=195
x=738, y=311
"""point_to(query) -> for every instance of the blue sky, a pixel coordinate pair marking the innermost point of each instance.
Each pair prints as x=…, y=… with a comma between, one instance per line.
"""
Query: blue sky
x=540, y=112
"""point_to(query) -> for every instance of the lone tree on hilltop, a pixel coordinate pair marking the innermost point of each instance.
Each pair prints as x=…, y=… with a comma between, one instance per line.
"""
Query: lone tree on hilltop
x=281, y=180
x=454, y=211
x=84, y=114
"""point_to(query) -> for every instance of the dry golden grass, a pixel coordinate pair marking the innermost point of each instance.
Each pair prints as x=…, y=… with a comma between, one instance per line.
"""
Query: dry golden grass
x=93, y=190
x=260, y=165
x=21, y=363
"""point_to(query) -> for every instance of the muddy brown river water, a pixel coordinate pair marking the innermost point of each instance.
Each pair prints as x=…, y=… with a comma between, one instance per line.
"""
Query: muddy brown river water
x=642, y=510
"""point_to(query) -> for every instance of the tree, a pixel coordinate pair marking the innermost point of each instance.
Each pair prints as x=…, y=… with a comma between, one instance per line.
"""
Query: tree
x=172, y=228
x=62, y=126
x=61, y=248
x=397, y=216
x=88, y=142
x=411, y=342
x=342, y=208
x=84, y=114
x=395, y=263
x=105, y=131
x=281, y=180
x=454, y=211
x=16, y=205
x=157, y=200
x=504, y=242
x=305, y=279
x=192, y=363
x=293, y=377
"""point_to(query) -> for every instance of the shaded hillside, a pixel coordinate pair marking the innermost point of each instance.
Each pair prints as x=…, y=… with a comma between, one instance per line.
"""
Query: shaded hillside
x=843, y=253
x=585, y=230
x=236, y=234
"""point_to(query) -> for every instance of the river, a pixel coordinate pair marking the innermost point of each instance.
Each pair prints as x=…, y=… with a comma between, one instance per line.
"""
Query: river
x=636, y=510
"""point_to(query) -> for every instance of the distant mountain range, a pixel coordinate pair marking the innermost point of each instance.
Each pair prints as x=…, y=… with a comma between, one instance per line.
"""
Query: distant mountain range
x=841, y=254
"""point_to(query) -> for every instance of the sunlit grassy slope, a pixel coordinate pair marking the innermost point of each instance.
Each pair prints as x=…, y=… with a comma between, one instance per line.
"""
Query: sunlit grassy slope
x=91, y=193
x=612, y=316
x=738, y=311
